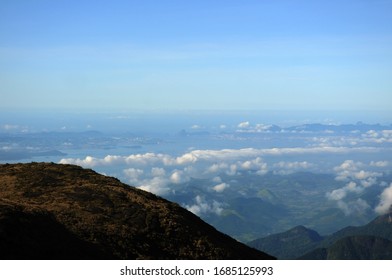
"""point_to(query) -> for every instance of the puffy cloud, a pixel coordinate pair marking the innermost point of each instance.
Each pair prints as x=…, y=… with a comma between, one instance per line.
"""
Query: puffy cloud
x=220, y=187
x=350, y=170
x=201, y=207
x=217, y=168
x=341, y=193
x=258, y=128
x=147, y=159
x=369, y=182
x=253, y=164
x=133, y=173
x=372, y=133
x=363, y=175
x=88, y=161
x=379, y=137
x=195, y=126
x=348, y=165
x=157, y=185
x=337, y=194
x=244, y=125
x=179, y=177
x=385, y=203
x=262, y=127
x=187, y=158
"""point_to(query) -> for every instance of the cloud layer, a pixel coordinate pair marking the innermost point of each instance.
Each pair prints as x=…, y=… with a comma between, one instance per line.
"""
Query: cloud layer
x=159, y=172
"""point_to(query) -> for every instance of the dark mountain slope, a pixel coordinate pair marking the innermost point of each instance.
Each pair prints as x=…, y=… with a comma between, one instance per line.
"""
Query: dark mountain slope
x=371, y=241
x=37, y=235
x=66, y=212
x=379, y=227
x=290, y=244
x=354, y=248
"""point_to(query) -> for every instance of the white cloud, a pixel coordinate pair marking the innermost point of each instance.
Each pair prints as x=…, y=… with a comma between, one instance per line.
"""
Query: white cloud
x=157, y=185
x=258, y=128
x=337, y=194
x=88, y=161
x=350, y=170
x=341, y=193
x=147, y=159
x=220, y=187
x=201, y=206
x=237, y=154
x=369, y=182
x=110, y=160
x=253, y=164
x=385, y=203
x=348, y=165
x=362, y=175
x=244, y=125
x=179, y=177
x=262, y=127
x=133, y=173
x=214, y=156
x=217, y=168
x=372, y=136
x=187, y=158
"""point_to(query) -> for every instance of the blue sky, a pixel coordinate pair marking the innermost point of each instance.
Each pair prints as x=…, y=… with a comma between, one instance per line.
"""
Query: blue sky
x=204, y=55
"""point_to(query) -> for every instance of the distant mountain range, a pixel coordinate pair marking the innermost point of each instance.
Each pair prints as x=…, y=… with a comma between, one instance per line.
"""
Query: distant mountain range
x=52, y=211
x=371, y=241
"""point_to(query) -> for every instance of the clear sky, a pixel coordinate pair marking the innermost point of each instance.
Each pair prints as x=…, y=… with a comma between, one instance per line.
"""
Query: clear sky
x=196, y=54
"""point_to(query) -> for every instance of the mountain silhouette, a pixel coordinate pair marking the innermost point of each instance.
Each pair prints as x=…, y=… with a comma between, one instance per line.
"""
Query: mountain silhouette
x=53, y=211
